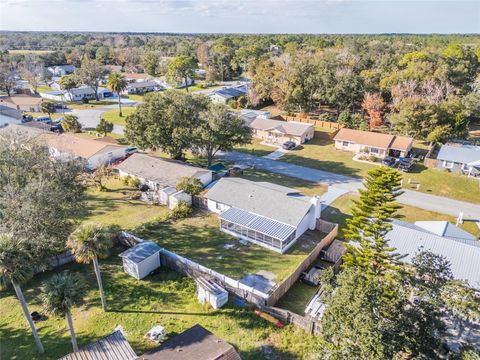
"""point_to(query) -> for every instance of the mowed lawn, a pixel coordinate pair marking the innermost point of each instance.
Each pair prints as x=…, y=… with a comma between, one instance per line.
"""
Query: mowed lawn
x=321, y=154
x=113, y=117
x=256, y=148
x=340, y=210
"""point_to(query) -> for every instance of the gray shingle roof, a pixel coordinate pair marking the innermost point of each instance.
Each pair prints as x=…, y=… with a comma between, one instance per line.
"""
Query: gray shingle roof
x=272, y=201
x=160, y=171
x=141, y=251
x=285, y=127
x=142, y=84
x=231, y=92
x=463, y=154
x=463, y=255
x=111, y=347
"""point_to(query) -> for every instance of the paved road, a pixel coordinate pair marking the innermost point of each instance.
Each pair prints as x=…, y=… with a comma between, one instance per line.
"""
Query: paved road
x=413, y=198
x=91, y=117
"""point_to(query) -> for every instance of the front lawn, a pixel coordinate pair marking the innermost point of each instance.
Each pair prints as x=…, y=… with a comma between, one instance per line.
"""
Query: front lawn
x=113, y=117
x=256, y=148
x=321, y=154
x=297, y=297
x=44, y=89
x=340, y=210
x=92, y=104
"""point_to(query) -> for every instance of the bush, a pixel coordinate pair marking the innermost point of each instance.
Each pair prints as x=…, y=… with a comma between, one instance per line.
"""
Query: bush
x=372, y=158
x=182, y=211
x=126, y=180
x=134, y=183
x=191, y=186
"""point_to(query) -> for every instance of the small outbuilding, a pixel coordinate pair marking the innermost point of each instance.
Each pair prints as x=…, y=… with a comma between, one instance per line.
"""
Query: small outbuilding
x=165, y=193
x=211, y=293
x=141, y=259
x=180, y=196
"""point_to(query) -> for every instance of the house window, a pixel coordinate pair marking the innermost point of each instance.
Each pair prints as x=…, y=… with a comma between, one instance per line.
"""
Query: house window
x=219, y=206
x=345, y=144
x=374, y=150
x=448, y=164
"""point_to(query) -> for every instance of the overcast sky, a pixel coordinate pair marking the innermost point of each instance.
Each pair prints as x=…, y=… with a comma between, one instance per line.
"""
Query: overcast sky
x=243, y=16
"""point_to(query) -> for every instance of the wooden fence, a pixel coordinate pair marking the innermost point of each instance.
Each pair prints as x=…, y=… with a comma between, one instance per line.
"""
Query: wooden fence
x=318, y=123
x=286, y=284
x=306, y=323
x=429, y=161
x=200, y=202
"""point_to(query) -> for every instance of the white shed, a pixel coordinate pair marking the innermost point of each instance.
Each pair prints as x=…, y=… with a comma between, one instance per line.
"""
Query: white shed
x=141, y=259
x=175, y=199
x=165, y=193
x=212, y=293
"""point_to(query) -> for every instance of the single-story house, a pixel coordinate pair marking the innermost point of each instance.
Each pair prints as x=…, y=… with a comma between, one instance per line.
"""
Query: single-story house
x=27, y=132
x=132, y=77
x=459, y=247
x=61, y=70
x=162, y=176
x=459, y=158
x=196, y=343
x=248, y=115
x=263, y=213
x=22, y=102
x=56, y=95
x=227, y=94
x=141, y=87
x=111, y=347
x=141, y=259
x=95, y=153
x=114, y=68
x=277, y=131
x=373, y=143
x=86, y=92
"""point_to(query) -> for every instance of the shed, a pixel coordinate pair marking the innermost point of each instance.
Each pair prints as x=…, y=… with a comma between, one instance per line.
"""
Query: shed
x=141, y=259
x=175, y=199
x=212, y=293
x=165, y=193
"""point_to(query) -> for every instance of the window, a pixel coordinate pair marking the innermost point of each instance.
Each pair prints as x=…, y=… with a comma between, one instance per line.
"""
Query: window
x=448, y=164
x=374, y=150
x=345, y=144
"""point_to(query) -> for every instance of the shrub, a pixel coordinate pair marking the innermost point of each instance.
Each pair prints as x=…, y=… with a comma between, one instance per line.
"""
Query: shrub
x=372, y=158
x=134, y=182
x=182, y=211
x=126, y=180
x=191, y=186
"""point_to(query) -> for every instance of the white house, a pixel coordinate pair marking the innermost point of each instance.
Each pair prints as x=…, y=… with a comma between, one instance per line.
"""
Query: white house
x=162, y=176
x=141, y=87
x=266, y=214
x=77, y=94
x=141, y=259
x=61, y=70
x=227, y=94
x=459, y=158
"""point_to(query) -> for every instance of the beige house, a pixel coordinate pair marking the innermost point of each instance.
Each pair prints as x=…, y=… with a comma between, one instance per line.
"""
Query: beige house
x=277, y=132
x=377, y=144
x=23, y=102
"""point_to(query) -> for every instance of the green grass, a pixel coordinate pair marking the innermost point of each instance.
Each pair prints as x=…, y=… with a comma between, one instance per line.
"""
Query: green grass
x=113, y=117
x=37, y=114
x=256, y=148
x=199, y=239
x=321, y=154
x=165, y=298
x=91, y=104
x=134, y=97
x=297, y=298
x=44, y=89
x=340, y=210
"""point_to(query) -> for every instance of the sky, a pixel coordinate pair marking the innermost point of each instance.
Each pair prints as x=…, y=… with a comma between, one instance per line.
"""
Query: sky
x=243, y=16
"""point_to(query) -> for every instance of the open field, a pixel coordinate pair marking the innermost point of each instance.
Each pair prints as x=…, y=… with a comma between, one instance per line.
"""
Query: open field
x=27, y=52
x=256, y=148
x=321, y=154
x=340, y=210
x=113, y=117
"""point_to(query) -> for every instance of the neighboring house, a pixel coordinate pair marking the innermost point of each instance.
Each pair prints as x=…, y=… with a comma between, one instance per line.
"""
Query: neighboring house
x=227, y=94
x=62, y=70
x=196, y=343
x=55, y=95
x=7, y=111
x=133, y=77
x=22, y=102
x=266, y=214
x=141, y=259
x=111, y=347
x=28, y=132
x=277, y=131
x=162, y=81
x=461, y=249
x=161, y=176
x=77, y=94
x=96, y=153
x=114, y=68
x=248, y=115
x=141, y=87
x=373, y=143
x=458, y=158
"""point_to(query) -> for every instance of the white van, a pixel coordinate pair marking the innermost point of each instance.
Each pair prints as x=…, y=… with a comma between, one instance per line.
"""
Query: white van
x=43, y=119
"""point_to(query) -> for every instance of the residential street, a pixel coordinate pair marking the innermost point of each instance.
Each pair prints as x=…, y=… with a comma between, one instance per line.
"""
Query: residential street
x=90, y=118
x=413, y=198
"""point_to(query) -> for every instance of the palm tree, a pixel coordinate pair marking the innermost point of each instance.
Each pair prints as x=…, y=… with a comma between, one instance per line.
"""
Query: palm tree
x=60, y=293
x=116, y=82
x=15, y=266
x=89, y=243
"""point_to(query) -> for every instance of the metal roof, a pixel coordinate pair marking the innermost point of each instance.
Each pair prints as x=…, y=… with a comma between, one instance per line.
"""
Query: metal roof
x=463, y=255
x=111, y=347
x=271, y=201
x=258, y=223
x=463, y=154
x=141, y=251
x=445, y=229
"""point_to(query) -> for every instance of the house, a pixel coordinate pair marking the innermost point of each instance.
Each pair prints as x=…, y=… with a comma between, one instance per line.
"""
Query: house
x=61, y=70
x=141, y=259
x=460, y=248
x=248, y=115
x=276, y=132
x=55, y=95
x=263, y=213
x=162, y=176
x=111, y=347
x=373, y=143
x=114, y=68
x=459, y=158
x=86, y=92
x=196, y=343
x=95, y=153
x=22, y=102
x=141, y=87
x=227, y=94
x=132, y=77
x=211, y=293
x=27, y=132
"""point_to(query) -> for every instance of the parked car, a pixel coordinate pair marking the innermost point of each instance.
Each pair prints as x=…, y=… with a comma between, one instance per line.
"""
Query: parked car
x=130, y=150
x=289, y=145
x=389, y=161
x=312, y=276
x=59, y=105
x=56, y=127
x=405, y=164
x=43, y=119
x=26, y=118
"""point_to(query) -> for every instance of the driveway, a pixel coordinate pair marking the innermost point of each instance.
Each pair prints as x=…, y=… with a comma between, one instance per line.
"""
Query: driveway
x=429, y=202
